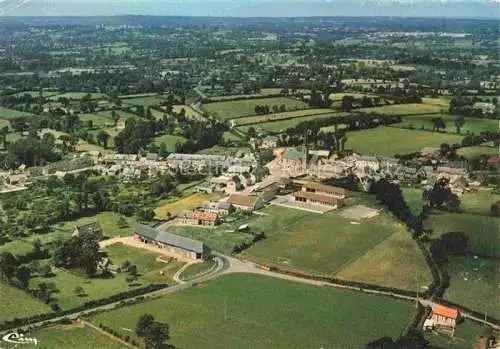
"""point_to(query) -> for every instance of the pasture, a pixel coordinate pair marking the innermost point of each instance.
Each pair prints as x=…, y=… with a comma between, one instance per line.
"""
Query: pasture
x=18, y=304
x=35, y=94
x=7, y=114
x=74, y=336
x=169, y=140
x=197, y=269
x=472, y=125
x=391, y=140
x=190, y=112
x=4, y=123
x=97, y=120
x=440, y=102
x=413, y=197
x=145, y=101
x=122, y=114
x=337, y=97
x=474, y=283
x=478, y=150
x=466, y=335
x=479, y=202
x=234, y=109
x=403, y=109
x=250, y=311
x=279, y=116
x=77, y=96
x=187, y=203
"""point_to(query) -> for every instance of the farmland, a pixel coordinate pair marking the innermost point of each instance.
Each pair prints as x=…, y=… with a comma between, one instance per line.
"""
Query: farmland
x=190, y=112
x=403, y=109
x=235, y=109
x=261, y=312
x=4, y=123
x=472, y=125
x=475, y=151
x=11, y=113
x=18, y=304
x=75, y=336
x=187, y=203
x=279, y=116
x=145, y=101
x=169, y=140
x=77, y=96
x=390, y=140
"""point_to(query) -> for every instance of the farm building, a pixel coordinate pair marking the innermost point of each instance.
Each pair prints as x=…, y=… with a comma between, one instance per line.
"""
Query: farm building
x=19, y=178
x=220, y=208
x=172, y=243
x=93, y=227
x=198, y=217
x=247, y=203
x=444, y=316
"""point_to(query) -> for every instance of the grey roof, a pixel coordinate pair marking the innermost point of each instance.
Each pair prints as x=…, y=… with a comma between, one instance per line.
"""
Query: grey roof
x=93, y=227
x=170, y=239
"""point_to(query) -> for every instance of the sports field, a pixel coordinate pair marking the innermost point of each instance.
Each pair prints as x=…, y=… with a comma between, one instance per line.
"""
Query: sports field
x=472, y=125
x=19, y=304
x=250, y=311
x=235, y=109
x=74, y=336
x=279, y=116
x=403, y=109
x=391, y=140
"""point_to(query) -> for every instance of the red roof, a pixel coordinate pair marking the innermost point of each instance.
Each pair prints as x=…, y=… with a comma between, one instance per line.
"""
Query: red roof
x=441, y=310
x=492, y=160
x=317, y=197
x=205, y=216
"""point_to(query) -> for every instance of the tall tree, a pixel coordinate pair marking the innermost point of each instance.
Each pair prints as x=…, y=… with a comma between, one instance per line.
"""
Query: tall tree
x=459, y=123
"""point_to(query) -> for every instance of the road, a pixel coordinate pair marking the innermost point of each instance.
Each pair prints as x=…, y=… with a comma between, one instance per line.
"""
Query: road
x=230, y=265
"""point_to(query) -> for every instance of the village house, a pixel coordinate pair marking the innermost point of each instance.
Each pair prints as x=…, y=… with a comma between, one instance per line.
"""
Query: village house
x=493, y=163
x=238, y=170
x=93, y=227
x=198, y=217
x=246, y=203
x=220, y=208
x=199, y=162
x=367, y=163
x=444, y=316
x=269, y=142
x=486, y=108
x=180, y=245
x=322, y=189
x=293, y=160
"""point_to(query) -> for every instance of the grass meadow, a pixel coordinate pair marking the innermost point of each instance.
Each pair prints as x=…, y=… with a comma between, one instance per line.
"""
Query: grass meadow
x=279, y=116
x=403, y=109
x=19, y=304
x=250, y=311
x=472, y=125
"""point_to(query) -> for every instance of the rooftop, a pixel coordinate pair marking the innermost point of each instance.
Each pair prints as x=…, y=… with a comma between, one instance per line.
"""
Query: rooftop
x=170, y=239
x=325, y=188
x=445, y=311
x=242, y=200
x=316, y=197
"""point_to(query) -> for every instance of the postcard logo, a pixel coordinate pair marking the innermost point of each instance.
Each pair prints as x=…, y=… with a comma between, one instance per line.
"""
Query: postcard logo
x=16, y=338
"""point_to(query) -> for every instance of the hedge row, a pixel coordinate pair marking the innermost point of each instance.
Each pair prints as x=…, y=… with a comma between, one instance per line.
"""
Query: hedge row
x=17, y=322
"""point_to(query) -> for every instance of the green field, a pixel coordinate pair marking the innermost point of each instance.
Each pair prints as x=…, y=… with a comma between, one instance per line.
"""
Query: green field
x=36, y=93
x=479, y=202
x=474, y=283
x=145, y=101
x=97, y=120
x=441, y=102
x=466, y=335
x=169, y=140
x=19, y=304
x=235, y=109
x=390, y=140
x=123, y=114
x=481, y=230
x=250, y=311
x=476, y=151
x=472, y=125
x=249, y=120
x=4, y=123
x=413, y=197
x=403, y=109
x=229, y=136
x=197, y=269
x=281, y=126
x=12, y=113
x=75, y=336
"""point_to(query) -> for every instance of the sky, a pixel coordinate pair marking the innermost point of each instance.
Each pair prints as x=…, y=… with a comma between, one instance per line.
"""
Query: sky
x=254, y=8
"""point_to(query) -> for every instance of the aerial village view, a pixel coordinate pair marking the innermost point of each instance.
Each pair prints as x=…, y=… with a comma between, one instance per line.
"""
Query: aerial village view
x=287, y=181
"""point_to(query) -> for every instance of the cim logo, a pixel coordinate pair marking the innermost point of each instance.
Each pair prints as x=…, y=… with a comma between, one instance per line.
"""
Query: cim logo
x=19, y=339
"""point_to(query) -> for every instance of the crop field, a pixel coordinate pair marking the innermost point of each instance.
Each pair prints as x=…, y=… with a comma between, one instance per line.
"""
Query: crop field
x=482, y=231
x=7, y=114
x=391, y=140
x=441, y=102
x=465, y=336
x=472, y=125
x=187, y=203
x=279, y=116
x=478, y=150
x=403, y=109
x=474, y=283
x=18, y=304
x=145, y=101
x=77, y=96
x=250, y=311
x=169, y=140
x=234, y=109
x=74, y=336
x=281, y=126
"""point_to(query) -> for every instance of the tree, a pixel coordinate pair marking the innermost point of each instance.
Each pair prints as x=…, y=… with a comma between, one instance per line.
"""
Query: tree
x=102, y=138
x=8, y=264
x=79, y=291
x=495, y=209
x=156, y=334
x=347, y=102
x=438, y=123
x=23, y=275
x=114, y=116
x=459, y=123
x=144, y=322
x=251, y=132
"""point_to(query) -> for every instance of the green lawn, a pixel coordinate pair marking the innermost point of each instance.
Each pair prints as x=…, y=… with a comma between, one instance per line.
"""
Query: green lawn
x=169, y=140
x=4, y=123
x=391, y=140
x=465, y=336
x=12, y=113
x=413, y=197
x=97, y=120
x=235, y=109
x=478, y=150
x=196, y=269
x=74, y=336
x=404, y=109
x=107, y=220
x=273, y=117
x=230, y=137
x=145, y=101
x=123, y=114
x=472, y=125
x=481, y=230
x=474, y=283
x=36, y=93
x=479, y=202
x=250, y=311
x=19, y=304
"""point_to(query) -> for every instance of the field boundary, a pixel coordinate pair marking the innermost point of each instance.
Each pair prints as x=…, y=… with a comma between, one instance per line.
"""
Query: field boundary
x=327, y=111
x=107, y=334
